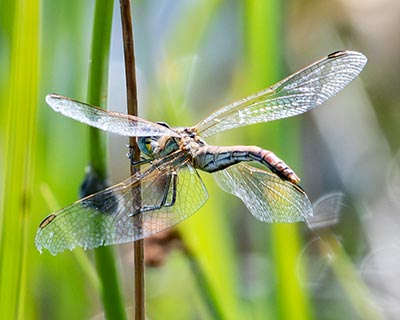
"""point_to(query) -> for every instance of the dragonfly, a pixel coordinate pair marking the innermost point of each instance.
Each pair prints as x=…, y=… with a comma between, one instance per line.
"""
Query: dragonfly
x=167, y=188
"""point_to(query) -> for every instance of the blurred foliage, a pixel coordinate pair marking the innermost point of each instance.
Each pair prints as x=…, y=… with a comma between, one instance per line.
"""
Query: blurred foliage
x=193, y=56
x=20, y=101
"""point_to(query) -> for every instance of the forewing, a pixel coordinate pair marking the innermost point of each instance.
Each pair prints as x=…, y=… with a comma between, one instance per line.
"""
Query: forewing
x=268, y=197
x=111, y=216
x=114, y=122
x=294, y=95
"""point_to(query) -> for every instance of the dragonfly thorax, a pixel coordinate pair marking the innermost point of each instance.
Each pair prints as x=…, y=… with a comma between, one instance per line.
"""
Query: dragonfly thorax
x=190, y=142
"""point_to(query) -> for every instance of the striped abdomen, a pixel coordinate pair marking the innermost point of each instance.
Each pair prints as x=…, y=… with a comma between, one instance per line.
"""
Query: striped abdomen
x=212, y=158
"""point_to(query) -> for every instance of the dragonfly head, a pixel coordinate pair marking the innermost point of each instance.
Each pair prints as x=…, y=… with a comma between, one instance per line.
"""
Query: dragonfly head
x=156, y=146
x=147, y=145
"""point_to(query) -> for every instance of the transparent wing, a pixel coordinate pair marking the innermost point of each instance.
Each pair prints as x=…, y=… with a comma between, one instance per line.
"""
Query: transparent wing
x=326, y=211
x=268, y=197
x=294, y=95
x=170, y=192
x=114, y=122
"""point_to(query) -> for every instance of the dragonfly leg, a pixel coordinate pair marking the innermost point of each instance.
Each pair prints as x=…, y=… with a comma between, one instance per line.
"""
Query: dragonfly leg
x=140, y=162
x=130, y=156
x=165, y=202
x=173, y=178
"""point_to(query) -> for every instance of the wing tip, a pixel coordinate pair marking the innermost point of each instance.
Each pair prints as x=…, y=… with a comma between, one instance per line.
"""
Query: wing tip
x=52, y=99
x=361, y=58
x=52, y=96
x=340, y=53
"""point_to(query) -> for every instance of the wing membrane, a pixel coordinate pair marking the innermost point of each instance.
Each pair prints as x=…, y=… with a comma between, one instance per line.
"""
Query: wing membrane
x=114, y=122
x=111, y=217
x=294, y=95
x=268, y=197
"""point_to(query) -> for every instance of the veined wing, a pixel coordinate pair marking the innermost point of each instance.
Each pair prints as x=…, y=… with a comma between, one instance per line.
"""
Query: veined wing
x=170, y=192
x=114, y=122
x=326, y=211
x=268, y=197
x=294, y=95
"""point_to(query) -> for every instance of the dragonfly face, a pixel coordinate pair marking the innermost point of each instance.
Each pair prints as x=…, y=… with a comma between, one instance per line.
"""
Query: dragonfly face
x=167, y=182
x=154, y=147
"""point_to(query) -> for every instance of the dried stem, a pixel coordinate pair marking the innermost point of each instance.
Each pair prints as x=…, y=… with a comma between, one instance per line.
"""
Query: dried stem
x=131, y=90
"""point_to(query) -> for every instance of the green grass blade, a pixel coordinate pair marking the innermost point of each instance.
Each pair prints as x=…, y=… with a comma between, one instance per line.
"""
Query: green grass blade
x=264, y=44
x=97, y=93
x=213, y=265
x=17, y=181
x=206, y=234
x=357, y=290
x=111, y=293
x=98, y=76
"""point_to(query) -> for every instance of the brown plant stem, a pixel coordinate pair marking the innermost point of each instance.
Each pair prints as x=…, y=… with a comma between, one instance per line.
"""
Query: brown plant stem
x=131, y=89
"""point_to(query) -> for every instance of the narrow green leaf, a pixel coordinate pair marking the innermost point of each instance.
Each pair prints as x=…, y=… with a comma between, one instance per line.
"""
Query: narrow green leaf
x=97, y=93
x=16, y=192
x=264, y=55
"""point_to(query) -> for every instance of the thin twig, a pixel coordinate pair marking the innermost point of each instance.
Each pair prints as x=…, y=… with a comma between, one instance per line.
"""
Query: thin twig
x=131, y=90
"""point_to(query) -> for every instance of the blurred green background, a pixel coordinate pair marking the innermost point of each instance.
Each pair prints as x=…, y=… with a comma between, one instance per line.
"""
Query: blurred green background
x=192, y=57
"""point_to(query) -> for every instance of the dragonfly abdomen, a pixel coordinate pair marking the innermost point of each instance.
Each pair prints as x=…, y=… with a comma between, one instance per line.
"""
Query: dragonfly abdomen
x=212, y=159
x=277, y=165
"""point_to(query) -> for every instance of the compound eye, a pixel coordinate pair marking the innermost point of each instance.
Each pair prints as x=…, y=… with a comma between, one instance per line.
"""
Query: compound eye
x=148, y=145
x=145, y=145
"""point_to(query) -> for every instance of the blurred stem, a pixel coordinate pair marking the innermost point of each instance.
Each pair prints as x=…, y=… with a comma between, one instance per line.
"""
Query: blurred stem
x=19, y=151
x=347, y=275
x=204, y=286
x=212, y=257
x=97, y=82
x=264, y=44
x=131, y=90
x=97, y=93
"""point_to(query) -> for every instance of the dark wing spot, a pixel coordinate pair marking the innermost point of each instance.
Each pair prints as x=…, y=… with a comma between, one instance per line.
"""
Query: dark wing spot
x=336, y=54
x=47, y=220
